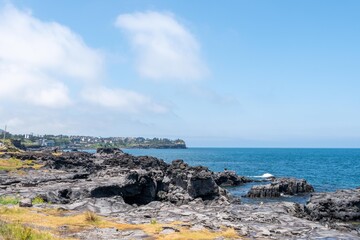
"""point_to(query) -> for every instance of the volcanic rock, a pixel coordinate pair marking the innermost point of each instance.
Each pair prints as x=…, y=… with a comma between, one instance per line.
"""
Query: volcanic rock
x=279, y=186
x=341, y=205
x=229, y=179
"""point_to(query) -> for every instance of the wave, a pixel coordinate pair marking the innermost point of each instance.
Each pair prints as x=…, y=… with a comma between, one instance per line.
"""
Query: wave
x=265, y=175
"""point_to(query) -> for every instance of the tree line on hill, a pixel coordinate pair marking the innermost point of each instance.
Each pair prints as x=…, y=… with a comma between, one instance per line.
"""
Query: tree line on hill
x=89, y=142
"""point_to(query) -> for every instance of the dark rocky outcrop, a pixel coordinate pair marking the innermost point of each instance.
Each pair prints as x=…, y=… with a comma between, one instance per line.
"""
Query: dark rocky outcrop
x=70, y=161
x=68, y=177
x=229, y=179
x=108, y=150
x=341, y=205
x=17, y=144
x=279, y=186
x=136, y=189
x=183, y=183
x=128, y=161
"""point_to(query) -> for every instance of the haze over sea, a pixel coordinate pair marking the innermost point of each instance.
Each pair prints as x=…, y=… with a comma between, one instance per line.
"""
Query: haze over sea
x=325, y=169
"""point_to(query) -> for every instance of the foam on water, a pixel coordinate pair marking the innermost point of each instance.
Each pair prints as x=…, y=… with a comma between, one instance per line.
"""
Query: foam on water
x=265, y=175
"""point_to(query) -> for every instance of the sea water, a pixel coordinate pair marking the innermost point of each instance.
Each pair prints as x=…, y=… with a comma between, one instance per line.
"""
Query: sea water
x=325, y=169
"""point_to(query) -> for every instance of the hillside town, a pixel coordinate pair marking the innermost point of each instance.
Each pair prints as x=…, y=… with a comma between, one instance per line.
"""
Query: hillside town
x=34, y=141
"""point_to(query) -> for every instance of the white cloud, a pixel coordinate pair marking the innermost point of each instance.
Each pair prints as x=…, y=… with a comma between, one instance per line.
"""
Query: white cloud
x=48, y=46
x=36, y=57
x=165, y=49
x=38, y=61
x=19, y=84
x=122, y=100
x=50, y=81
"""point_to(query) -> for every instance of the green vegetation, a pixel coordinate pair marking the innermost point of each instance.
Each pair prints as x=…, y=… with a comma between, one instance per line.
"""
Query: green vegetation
x=16, y=231
x=9, y=200
x=13, y=164
x=153, y=221
x=87, y=142
x=139, y=143
x=38, y=200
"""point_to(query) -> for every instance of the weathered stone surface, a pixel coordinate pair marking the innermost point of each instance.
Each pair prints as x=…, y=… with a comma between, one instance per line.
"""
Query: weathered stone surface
x=266, y=221
x=279, y=186
x=110, y=233
x=340, y=205
x=26, y=202
x=137, y=189
x=70, y=176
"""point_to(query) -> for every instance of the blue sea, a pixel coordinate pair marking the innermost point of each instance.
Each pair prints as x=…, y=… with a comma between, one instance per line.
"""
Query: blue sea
x=325, y=169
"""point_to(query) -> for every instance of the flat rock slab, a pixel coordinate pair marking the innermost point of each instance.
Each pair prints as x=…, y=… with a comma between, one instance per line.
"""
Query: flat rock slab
x=268, y=221
x=110, y=233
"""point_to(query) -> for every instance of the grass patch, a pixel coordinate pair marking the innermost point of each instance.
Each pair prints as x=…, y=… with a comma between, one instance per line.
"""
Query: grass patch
x=54, y=219
x=11, y=211
x=186, y=234
x=38, y=200
x=10, y=164
x=16, y=231
x=14, y=164
x=9, y=200
x=91, y=217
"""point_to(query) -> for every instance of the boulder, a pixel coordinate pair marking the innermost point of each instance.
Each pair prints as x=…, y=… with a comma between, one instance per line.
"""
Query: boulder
x=201, y=184
x=280, y=186
x=341, y=205
x=26, y=202
x=196, y=182
x=229, y=179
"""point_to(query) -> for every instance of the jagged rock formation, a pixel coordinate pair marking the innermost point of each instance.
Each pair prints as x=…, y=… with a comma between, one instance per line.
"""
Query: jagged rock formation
x=136, y=189
x=229, y=179
x=72, y=176
x=341, y=205
x=279, y=186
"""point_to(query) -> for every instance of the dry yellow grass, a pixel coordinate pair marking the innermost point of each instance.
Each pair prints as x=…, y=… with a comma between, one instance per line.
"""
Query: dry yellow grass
x=53, y=219
x=16, y=231
x=13, y=164
x=10, y=164
x=57, y=154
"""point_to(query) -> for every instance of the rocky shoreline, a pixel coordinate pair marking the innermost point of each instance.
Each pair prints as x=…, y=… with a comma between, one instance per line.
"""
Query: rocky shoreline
x=133, y=190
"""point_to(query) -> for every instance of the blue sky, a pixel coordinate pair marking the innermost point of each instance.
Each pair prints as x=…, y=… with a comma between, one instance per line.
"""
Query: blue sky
x=232, y=74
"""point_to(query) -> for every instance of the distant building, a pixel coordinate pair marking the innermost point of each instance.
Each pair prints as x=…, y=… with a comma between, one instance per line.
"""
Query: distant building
x=42, y=142
x=46, y=143
x=29, y=136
